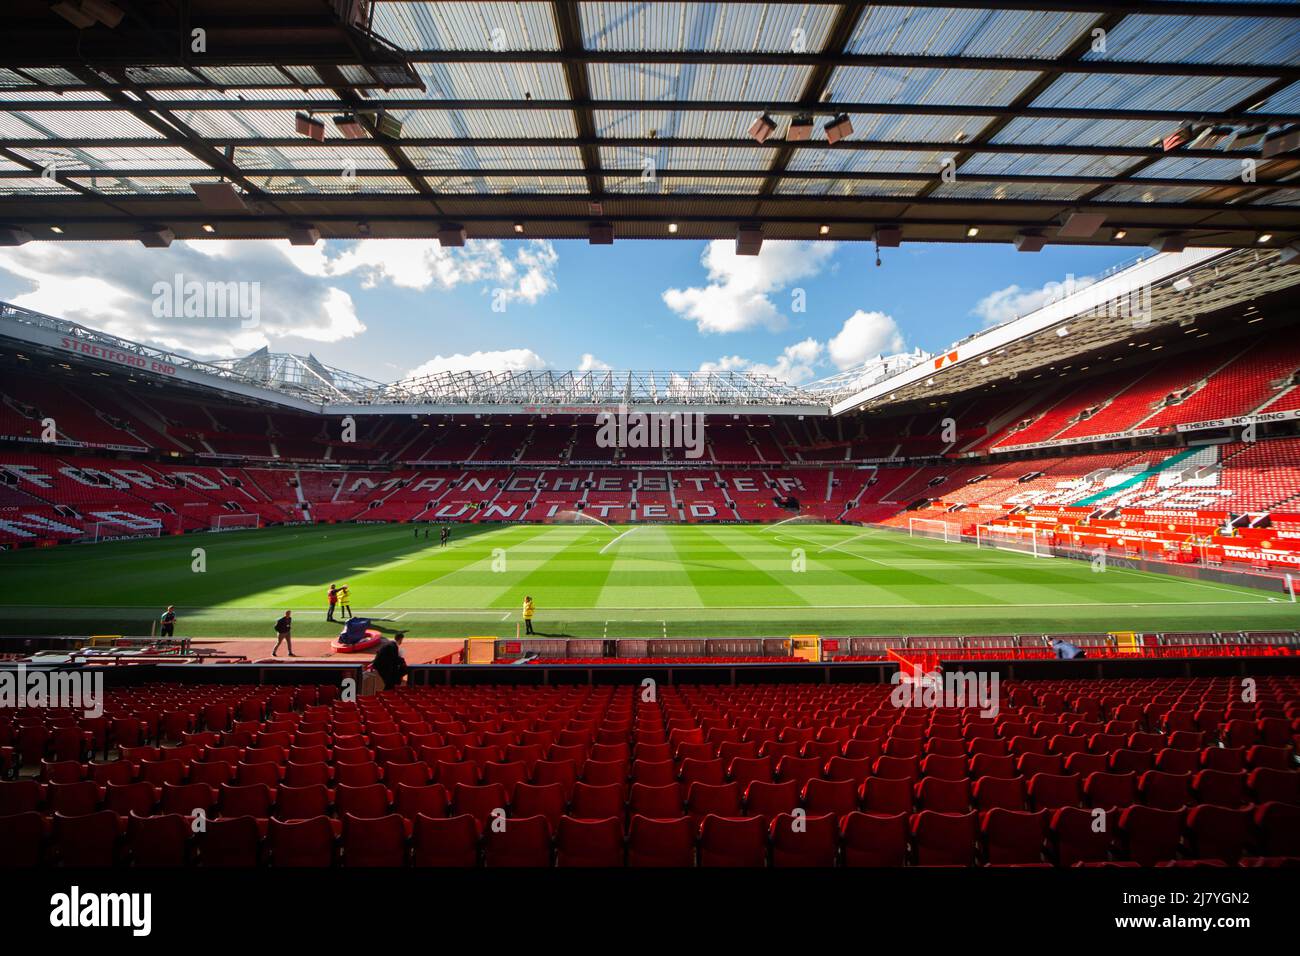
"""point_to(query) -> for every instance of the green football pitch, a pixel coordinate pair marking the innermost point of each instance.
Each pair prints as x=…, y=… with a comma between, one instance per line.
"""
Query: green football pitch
x=592, y=580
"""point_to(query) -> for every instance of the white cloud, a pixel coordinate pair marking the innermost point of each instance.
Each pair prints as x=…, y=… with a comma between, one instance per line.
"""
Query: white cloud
x=419, y=264
x=121, y=287
x=795, y=365
x=1006, y=304
x=590, y=363
x=865, y=335
x=739, y=293
x=114, y=286
x=502, y=360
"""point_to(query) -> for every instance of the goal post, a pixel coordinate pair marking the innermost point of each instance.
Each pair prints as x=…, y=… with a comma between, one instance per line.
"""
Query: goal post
x=1029, y=541
x=121, y=530
x=236, y=522
x=930, y=528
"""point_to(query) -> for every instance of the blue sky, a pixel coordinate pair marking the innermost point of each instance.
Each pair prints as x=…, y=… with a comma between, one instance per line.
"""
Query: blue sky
x=385, y=308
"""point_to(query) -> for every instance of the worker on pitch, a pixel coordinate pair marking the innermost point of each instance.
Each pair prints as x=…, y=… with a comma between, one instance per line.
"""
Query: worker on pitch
x=528, y=615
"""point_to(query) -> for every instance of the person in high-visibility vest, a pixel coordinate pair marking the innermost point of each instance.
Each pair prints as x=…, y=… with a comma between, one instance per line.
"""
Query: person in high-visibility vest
x=528, y=615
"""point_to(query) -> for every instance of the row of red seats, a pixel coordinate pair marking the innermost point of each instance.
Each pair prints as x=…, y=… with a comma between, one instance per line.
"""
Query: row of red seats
x=1069, y=836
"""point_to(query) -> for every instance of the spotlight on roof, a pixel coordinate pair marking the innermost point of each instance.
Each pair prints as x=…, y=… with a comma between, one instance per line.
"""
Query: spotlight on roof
x=1183, y=283
x=85, y=13
x=208, y=228
x=839, y=128
x=749, y=240
x=1178, y=137
x=518, y=227
x=109, y=14
x=307, y=125
x=13, y=236
x=219, y=197
x=1080, y=225
x=71, y=11
x=1119, y=234
x=1264, y=237
x=451, y=234
x=57, y=230
x=600, y=233
x=386, y=124
x=824, y=229
x=302, y=234
x=1031, y=240
x=972, y=232
x=1281, y=141
x=890, y=237
x=155, y=237
x=349, y=124
x=1248, y=137
x=1063, y=331
x=762, y=128
x=672, y=228
x=801, y=129
x=1169, y=242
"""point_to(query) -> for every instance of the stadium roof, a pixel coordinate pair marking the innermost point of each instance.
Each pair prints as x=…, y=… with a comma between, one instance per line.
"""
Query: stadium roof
x=971, y=121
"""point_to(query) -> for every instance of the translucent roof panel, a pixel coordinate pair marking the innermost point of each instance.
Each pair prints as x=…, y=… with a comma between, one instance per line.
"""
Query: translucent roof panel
x=494, y=157
x=34, y=124
x=1128, y=91
x=1038, y=164
x=725, y=27
x=116, y=157
x=668, y=158
x=119, y=185
x=449, y=124
x=467, y=26
x=334, y=185
x=1176, y=167
x=505, y=185
x=1200, y=40
x=961, y=190
x=696, y=81
x=860, y=84
x=935, y=31
x=312, y=157
x=694, y=186
x=501, y=80
x=793, y=186
x=867, y=161
x=695, y=124
x=33, y=186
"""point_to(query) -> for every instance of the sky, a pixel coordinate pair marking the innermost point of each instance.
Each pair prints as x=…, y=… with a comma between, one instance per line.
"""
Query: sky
x=391, y=308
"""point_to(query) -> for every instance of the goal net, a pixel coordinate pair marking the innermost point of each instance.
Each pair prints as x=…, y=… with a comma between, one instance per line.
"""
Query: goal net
x=929, y=528
x=1030, y=541
x=236, y=522
x=122, y=530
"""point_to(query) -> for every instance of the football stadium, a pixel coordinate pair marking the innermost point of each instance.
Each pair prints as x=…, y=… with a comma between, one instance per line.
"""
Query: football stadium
x=1023, y=603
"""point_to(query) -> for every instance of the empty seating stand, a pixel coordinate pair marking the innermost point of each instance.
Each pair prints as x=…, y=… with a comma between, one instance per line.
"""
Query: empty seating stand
x=735, y=776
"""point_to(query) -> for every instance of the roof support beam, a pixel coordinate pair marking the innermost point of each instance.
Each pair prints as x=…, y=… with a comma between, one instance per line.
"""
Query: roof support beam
x=569, y=27
x=904, y=146
x=781, y=107
x=478, y=172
